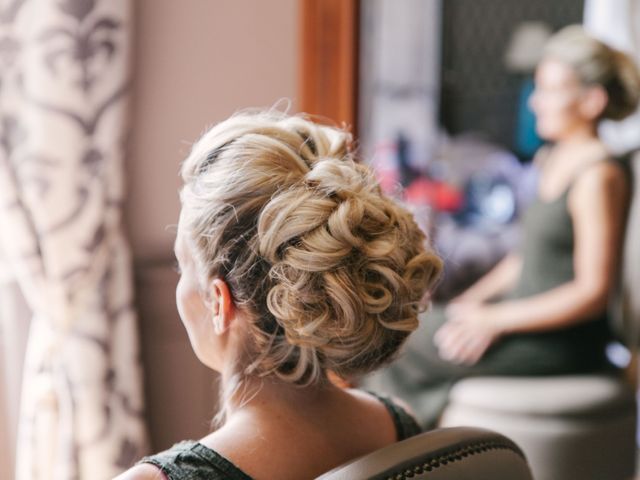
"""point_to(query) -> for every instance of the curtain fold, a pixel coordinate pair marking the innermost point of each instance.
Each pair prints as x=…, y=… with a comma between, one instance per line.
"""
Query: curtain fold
x=13, y=339
x=64, y=80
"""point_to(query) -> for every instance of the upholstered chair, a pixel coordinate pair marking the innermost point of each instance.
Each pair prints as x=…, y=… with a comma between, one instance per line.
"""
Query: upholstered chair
x=444, y=454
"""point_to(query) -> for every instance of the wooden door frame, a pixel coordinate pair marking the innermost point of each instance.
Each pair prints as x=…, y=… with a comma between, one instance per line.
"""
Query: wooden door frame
x=328, y=71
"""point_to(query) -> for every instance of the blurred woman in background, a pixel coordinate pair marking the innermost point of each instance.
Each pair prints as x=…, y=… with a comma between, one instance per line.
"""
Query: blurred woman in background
x=543, y=309
x=293, y=264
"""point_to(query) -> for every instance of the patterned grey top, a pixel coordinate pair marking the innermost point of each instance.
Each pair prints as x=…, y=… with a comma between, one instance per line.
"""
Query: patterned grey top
x=191, y=460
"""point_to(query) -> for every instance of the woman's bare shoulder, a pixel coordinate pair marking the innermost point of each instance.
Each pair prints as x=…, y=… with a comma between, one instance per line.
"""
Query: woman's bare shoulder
x=144, y=471
x=602, y=187
x=604, y=176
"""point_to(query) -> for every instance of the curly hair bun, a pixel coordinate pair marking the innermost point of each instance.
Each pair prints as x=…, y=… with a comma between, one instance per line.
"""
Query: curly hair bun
x=596, y=63
x=334, y=271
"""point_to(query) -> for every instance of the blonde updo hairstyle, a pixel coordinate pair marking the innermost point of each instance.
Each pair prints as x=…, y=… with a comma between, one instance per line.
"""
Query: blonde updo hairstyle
x=331, y=272
x=597, y=64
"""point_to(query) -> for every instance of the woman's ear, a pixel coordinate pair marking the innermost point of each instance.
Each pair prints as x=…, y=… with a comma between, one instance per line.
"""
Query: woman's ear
x=221, y=305
x=594, y=102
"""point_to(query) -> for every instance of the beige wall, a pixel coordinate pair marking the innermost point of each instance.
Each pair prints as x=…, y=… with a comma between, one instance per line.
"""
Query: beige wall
x=196, y=62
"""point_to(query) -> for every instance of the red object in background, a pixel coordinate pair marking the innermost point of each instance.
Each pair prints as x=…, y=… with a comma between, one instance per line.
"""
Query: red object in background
x=440, y=195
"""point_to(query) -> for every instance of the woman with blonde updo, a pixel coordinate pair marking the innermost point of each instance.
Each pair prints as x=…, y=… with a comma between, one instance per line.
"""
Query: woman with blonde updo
x=293, y=265
x=543, y=309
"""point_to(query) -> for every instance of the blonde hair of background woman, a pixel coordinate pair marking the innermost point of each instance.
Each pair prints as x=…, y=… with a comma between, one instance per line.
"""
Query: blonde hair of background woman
x=331, y=272
x=597, y=64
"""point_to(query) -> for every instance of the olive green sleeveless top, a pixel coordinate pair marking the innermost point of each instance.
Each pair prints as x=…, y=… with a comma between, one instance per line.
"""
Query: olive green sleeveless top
x=547, y=249
x=191, y=460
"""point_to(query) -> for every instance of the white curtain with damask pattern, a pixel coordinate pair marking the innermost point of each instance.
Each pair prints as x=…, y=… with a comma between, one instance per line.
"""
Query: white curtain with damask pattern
x=64, y=68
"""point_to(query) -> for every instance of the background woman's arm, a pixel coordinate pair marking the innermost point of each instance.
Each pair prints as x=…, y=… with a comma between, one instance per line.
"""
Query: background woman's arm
x=497, y=281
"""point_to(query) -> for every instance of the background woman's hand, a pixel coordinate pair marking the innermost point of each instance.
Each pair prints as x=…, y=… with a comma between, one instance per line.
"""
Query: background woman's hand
x=467, y=334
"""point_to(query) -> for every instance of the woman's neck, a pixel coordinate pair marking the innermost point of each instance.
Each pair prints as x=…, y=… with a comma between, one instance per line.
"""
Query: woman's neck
x=580, y=134
x=271, y=394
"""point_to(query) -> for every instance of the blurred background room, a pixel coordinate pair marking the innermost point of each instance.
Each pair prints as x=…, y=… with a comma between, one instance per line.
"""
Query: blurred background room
x=100, y=101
